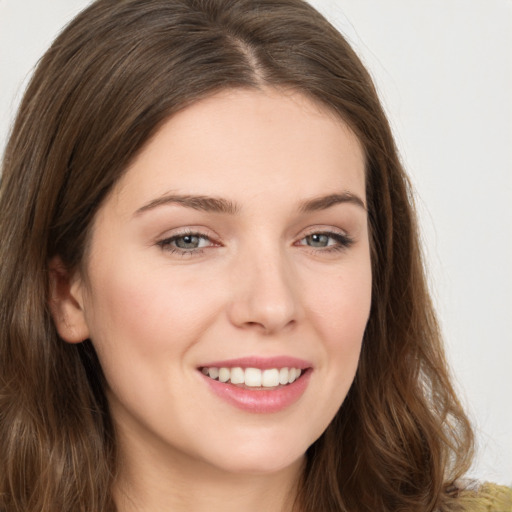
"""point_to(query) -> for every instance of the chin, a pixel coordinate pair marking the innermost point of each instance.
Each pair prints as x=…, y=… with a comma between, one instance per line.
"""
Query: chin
x=259, y=458
x=262, y=465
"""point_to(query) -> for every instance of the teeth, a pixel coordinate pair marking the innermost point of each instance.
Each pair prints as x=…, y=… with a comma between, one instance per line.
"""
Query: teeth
x=283, y=375
x=237, y=376
x=270, y=378
x=224, y=374
x=254, y=377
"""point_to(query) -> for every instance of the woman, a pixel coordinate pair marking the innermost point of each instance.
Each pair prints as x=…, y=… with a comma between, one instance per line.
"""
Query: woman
x=211, y=287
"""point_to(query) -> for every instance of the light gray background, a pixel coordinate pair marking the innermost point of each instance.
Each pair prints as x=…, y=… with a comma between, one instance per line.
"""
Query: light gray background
x=444, y=72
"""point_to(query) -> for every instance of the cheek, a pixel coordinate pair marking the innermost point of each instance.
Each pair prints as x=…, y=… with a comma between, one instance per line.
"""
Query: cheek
x=340, y=307
x=137, y=295
x=339, y=314
x=143, y=324
x=141, y=314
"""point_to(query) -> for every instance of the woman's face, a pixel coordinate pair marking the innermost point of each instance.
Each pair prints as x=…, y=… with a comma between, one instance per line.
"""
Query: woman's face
x=234, y=247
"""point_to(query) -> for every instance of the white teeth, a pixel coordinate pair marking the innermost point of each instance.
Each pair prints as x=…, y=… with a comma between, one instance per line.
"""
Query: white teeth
x=254, y=377
x=283, y=376
x=270, y=378
x=224, y=374
x=237, y=376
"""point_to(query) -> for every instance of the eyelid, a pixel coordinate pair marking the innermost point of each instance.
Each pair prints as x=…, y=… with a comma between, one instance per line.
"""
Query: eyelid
x=165, y=242
x=180, y=231
x=324, y=229
x=344, y=240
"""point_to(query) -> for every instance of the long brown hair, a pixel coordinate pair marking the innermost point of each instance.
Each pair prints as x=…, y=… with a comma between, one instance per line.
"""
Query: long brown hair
x=113, y=76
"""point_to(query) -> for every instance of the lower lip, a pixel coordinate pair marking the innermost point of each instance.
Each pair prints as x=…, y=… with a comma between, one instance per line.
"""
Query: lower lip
x=259, y=400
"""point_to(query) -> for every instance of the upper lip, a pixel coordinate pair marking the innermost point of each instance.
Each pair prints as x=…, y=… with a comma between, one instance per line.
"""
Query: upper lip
x=263, y=363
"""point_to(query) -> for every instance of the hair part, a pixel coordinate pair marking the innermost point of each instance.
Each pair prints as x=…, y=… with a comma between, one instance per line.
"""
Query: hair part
x=109, y=81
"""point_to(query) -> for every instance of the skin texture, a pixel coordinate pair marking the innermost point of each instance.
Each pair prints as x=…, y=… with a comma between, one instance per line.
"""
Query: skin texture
x=258, y=284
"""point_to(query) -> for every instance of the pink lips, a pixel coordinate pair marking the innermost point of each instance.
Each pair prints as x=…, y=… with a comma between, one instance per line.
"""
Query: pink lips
x=260, y=400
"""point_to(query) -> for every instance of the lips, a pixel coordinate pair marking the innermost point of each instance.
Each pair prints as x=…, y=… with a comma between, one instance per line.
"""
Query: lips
x=258, y=385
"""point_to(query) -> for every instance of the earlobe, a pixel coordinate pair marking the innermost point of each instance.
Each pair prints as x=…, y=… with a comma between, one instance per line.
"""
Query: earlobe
x=66, y=302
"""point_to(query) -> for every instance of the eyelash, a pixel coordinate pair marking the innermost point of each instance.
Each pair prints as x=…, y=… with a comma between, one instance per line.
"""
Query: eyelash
x=343, y=242
x=167, y=246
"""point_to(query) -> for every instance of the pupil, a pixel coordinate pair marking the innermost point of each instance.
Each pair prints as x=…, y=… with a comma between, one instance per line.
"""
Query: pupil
x=318, y=240
x=187, y=242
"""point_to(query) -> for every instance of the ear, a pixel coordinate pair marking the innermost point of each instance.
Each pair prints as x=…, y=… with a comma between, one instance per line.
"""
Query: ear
x=66, y=302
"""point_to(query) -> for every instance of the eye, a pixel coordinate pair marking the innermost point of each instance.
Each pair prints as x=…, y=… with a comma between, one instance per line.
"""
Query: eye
x=319, y=240
x=186, y=243
x=327, y=241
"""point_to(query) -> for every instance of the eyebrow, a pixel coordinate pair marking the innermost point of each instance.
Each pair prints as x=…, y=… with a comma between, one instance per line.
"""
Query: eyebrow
x=204, y=203
x=221, y=205
x=324, y=202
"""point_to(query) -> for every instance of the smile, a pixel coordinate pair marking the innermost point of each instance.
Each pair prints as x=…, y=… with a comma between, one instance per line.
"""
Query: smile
x=254, y=377
x=258, y=385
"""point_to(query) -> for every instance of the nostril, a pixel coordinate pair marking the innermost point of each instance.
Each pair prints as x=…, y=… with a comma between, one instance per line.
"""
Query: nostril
x=268, y=327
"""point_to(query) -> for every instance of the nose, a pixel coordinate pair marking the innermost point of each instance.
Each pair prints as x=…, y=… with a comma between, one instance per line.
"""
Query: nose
x=264, y=296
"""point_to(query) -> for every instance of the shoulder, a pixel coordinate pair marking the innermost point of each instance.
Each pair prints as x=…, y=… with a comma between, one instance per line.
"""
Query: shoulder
x=486, y=498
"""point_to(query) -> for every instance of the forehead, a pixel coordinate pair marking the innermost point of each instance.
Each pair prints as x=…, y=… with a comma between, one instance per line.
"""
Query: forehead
x=242, y=142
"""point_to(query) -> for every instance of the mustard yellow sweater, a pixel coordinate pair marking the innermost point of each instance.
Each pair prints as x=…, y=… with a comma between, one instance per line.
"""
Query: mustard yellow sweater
x=487, y=498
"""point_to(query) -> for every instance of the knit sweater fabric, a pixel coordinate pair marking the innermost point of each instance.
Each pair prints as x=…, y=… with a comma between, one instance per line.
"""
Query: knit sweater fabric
x=487, y=498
